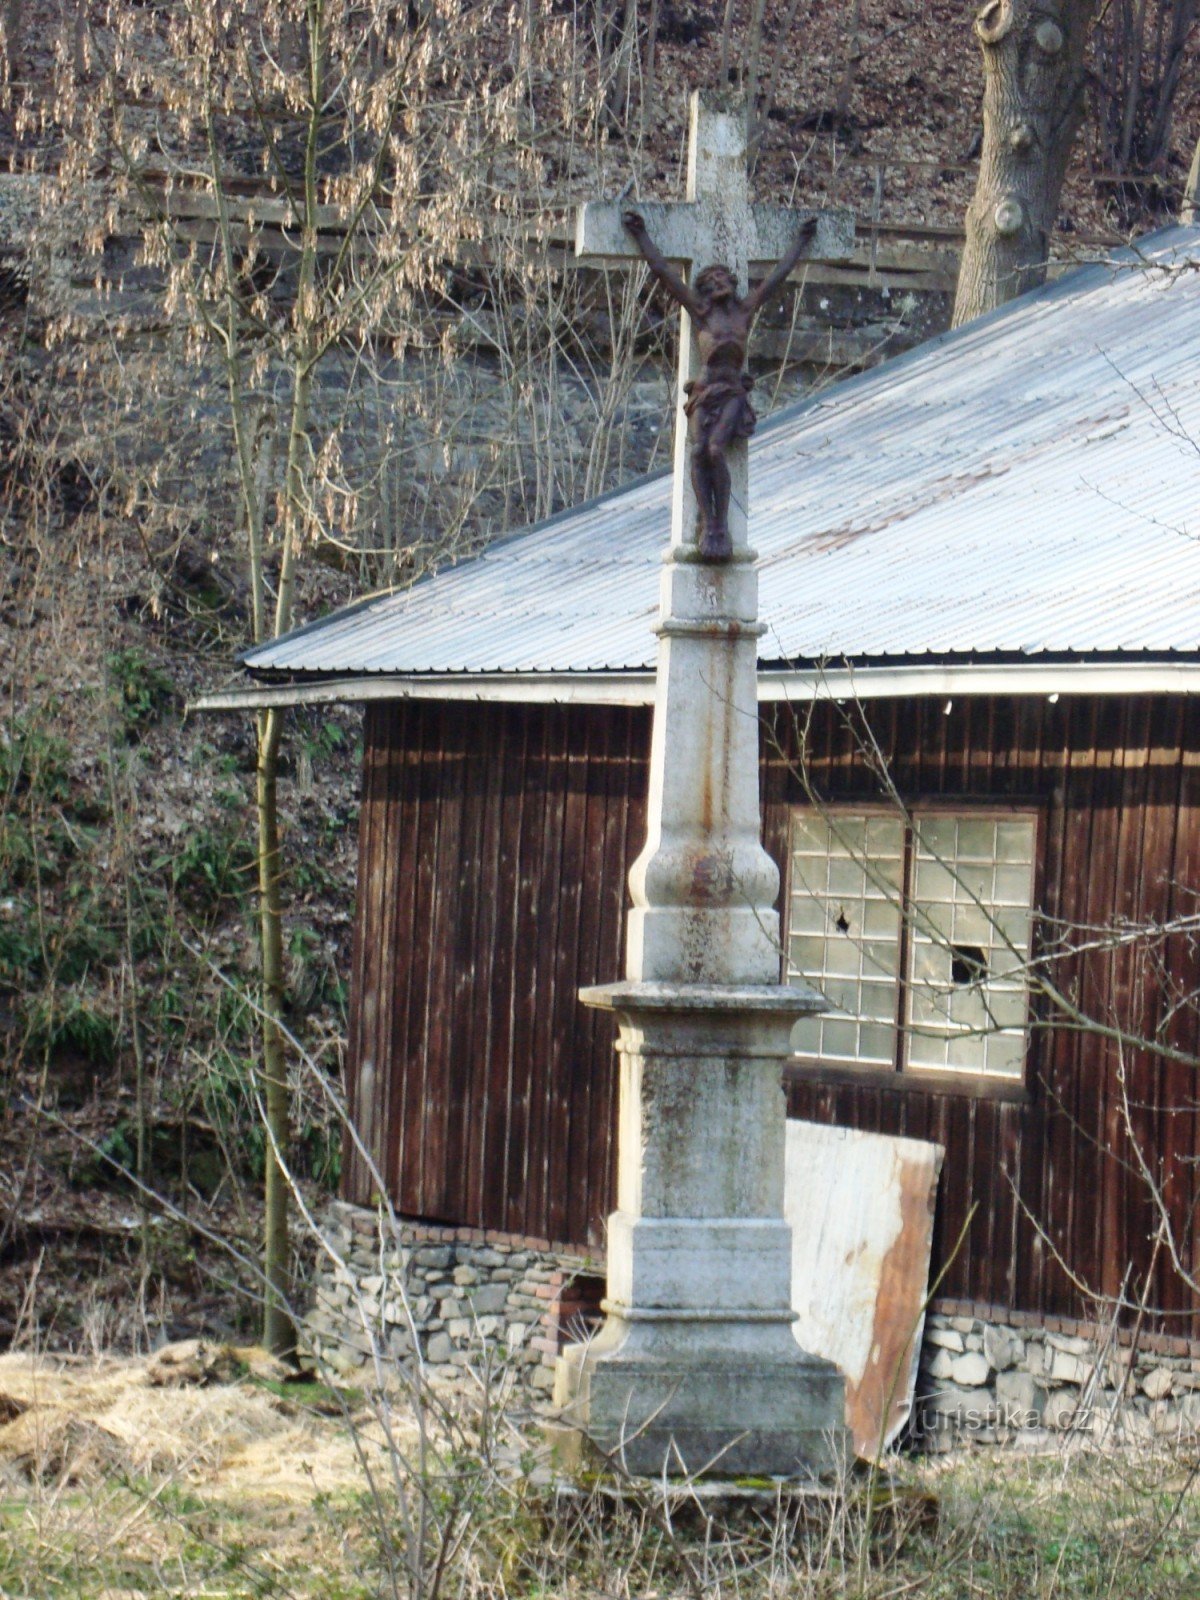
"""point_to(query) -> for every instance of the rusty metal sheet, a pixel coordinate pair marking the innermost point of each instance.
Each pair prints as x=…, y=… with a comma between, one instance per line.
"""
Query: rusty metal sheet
x=861, y=1210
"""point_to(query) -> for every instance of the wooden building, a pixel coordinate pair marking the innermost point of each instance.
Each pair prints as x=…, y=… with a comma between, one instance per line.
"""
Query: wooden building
x=980, y=743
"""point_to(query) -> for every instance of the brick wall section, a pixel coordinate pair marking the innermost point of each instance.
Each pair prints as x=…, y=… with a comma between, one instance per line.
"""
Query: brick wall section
x=459, y=1290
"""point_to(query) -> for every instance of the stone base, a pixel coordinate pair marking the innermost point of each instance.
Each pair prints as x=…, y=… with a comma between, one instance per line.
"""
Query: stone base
x=679, y=1400
x=728, y=1503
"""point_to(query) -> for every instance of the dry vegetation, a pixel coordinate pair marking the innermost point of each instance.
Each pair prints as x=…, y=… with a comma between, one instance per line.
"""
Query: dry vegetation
x=118, y=1483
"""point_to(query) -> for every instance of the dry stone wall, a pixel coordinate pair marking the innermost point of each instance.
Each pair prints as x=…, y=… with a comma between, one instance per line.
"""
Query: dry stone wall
x=1003, y=1378
x=457, y=1292
x=987, y=1376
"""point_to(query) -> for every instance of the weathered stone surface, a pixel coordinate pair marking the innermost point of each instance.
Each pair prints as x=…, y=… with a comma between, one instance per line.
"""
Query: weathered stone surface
x=485, y=1256
x=464, y=1275
x=1157, y=1383
x=1002, y=1347
x=1060, y=1407
x=433, y=1255
x=1133, y=1424
x=969, y=1408
x=438, y=1348
x=1070, y=1344
x=489, y=1297
x=345, y=1362
x=970, y=1370
x=1164, y=1418
x=945, y=1339
x=1019, y=1399
x=941, y=1365
x=1068, y=1368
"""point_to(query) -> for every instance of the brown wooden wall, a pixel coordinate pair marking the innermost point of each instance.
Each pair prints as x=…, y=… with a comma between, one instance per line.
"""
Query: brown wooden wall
x=494, y=846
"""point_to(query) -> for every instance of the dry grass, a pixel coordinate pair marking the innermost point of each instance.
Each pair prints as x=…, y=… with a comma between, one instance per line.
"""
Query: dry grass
x=87, y=1419
x=114, y=1485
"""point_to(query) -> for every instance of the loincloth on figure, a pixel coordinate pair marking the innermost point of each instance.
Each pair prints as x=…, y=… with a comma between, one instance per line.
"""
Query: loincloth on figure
x=707, y=399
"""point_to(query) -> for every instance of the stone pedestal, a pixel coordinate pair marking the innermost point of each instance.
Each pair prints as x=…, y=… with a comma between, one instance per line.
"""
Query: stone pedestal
x=697, y=1366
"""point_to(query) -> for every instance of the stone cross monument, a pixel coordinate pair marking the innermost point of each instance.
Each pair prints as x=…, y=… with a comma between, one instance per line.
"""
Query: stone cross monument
x=696, y=1365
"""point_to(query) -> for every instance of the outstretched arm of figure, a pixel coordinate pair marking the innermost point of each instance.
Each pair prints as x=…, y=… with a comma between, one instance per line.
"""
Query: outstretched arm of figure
x=778, y=275
x=671, y=281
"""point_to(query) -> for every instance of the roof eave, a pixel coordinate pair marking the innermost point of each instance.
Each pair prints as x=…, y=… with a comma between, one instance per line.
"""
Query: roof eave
x=1133, y=674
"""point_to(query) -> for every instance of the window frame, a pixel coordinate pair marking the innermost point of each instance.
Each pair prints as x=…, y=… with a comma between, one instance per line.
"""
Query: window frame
x=900, y=1076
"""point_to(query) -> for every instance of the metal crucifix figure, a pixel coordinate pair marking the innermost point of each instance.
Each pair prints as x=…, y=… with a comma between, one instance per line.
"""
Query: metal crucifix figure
x=704, y=249
x=718, y=404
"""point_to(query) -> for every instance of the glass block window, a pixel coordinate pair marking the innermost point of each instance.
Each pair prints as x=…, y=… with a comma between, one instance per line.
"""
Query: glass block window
x=844, y=932
x=917, y=933
x=969, y=920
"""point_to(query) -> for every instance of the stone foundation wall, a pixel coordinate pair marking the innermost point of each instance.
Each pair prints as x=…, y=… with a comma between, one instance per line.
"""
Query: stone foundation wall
x=989, y=1376
x=460, y=1289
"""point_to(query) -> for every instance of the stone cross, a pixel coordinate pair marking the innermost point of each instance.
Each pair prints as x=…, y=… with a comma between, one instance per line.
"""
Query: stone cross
x=696, y=1363
x=717, y=222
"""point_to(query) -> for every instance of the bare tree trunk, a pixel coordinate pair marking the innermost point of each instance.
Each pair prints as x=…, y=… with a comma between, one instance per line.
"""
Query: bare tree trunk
x=1032, y=103
x=651, y=67
x=726, y=43
x=14, y=32
x=620, y=64
x=841, y=103
x=278, y=1334
x=752, y=62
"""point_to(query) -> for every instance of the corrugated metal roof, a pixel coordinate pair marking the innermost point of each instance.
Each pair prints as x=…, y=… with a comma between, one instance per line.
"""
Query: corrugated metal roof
x=1027, y=485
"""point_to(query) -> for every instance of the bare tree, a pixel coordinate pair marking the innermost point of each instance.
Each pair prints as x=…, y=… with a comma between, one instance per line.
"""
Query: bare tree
x=1034, y=77
x=348, y=343
x=1140, y=50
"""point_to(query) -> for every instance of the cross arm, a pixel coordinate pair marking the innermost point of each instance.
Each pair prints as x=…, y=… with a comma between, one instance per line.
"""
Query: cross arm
x=600, y=235
x=685, y=230
x=776, y=227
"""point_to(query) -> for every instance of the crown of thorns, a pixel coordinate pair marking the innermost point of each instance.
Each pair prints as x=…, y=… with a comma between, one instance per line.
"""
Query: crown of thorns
x=712, y=275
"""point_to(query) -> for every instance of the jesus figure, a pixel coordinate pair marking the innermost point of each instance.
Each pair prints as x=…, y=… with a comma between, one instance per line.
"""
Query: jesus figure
x=718, y=404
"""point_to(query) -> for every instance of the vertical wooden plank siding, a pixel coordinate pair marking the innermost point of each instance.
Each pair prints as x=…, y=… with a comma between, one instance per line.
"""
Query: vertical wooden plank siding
x=495, y=843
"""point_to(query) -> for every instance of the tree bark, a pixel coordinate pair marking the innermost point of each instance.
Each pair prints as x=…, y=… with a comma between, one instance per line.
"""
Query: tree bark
x=1032, y=103
x=279, y=1334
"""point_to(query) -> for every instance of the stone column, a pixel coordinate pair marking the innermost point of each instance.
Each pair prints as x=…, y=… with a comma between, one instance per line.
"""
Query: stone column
x=697, y=1365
